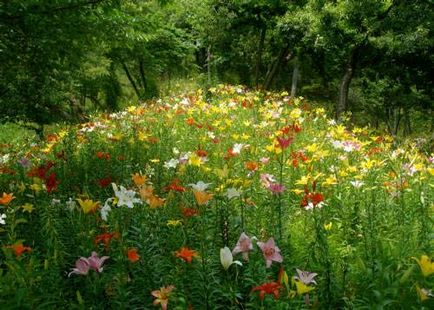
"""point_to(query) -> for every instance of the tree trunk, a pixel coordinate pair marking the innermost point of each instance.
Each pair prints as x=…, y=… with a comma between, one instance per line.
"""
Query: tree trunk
x=432, y=121
x=259, y=55
x=396, y=120
x=407, y=122
x=275, y=67
x=130, y=78
x=342, y=105
x=393, y=120
x=295, y=75
x=142, y=75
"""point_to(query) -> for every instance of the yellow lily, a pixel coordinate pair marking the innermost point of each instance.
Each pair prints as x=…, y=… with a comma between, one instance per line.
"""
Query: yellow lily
x=423, y=293
x=88, y=205
x=426, y=265
x=302, y=288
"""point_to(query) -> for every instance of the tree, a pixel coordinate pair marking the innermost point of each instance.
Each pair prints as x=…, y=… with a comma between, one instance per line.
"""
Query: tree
x=42, y=54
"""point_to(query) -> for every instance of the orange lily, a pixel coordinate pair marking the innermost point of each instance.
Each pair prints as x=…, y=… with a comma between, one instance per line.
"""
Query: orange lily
x=155, y=201
x=162, y=296
x=106, y=238
x=6, y=199
x=19, y=249
x=186, y=254
x=139, y=179
x=132, y=255
x=202, y=198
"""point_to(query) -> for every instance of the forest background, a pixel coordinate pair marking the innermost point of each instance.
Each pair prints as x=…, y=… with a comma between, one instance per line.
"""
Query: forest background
x=61, y=59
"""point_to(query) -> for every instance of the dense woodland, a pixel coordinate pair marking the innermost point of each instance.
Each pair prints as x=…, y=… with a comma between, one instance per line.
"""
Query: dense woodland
x=62, y=58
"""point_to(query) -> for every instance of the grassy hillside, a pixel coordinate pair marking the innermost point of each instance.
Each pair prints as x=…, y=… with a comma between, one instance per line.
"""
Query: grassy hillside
x=233, y=200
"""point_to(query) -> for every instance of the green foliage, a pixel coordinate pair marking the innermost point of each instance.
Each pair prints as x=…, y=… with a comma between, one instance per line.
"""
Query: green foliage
x=61, y=59
x=354, y=209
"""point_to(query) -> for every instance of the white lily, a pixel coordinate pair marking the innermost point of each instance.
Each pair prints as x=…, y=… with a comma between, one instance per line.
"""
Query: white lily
x=227, y=259
x=2, y=219
x=125, y=197
x=232, y=193
x=200, y=186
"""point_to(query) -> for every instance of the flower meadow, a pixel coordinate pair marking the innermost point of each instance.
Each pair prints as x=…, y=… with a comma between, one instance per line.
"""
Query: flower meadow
x=229, y=199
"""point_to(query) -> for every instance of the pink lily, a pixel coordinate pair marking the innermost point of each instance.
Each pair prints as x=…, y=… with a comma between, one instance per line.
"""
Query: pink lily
x=95, y=262
x=267, y=179
x=271, y=252
x=244, y=245
x=81, y=267
x=276, y=188
x=284, y=143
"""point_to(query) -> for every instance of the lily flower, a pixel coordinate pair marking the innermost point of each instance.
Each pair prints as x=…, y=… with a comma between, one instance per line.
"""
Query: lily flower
x=244, y=245
x=104, y=211
x=276, y=188
x=356, y=183
x=96, y=262
x=284, y=143
x=267, y=179
x=426, y=265
x=133, y=256
x=125, y=197
x=139, y=179
x=189, y=212
x=19, y=249
x=81, y=267
x=202, y=198
x=2, y=219
x=268, y=288
x=6, y=199
x=236, y=149
x=186, y=254
x=232, y=193
x=312, y=200
x=172, y=163
x=227, y=259
x=106, y=238
x=303, y=281
x=175, y=186
x=155, y=202
x=270, y=251
x=423, y=293
x=200, y=186
x=51, y=182
x=162, y=296
x=88, y=205
x=305, y=276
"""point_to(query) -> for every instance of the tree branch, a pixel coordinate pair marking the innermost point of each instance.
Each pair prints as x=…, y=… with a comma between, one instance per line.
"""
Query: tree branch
x=41, y=11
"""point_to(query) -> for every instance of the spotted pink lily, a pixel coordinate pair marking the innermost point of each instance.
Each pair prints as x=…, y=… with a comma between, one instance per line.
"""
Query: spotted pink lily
x=270, y=251
x=244, y=245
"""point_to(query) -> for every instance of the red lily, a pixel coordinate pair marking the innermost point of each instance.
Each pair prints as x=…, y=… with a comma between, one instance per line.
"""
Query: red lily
x=51, y=182
x=189, y=212
x=106, y=238
x=104, y=182
x=268, y=288
x=175, y=186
